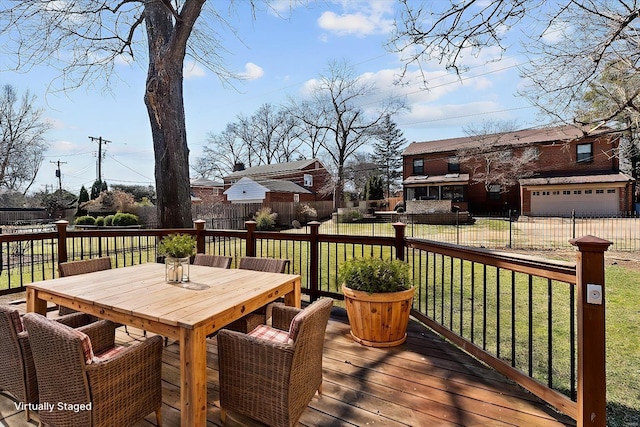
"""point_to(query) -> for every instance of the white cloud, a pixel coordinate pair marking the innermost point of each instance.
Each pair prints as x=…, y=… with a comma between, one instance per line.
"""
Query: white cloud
x=193, y=70
x=252, y=71
x=359, y=18
x=63, y=146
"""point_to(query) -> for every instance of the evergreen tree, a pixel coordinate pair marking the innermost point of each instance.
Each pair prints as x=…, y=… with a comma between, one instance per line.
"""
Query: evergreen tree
x=374, y=189
x=387, y=153
x=82, y=197
x=97, y=188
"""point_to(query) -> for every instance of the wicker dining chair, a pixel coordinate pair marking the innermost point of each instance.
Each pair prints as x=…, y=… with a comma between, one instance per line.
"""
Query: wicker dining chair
x=72, y=268
x=122, y=384
x=220, y=261
x=260, y=316
x=272, y=373
x=18, y=375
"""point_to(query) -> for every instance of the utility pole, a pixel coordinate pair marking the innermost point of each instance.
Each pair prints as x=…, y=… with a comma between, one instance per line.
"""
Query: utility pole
x=100, y=142
x=59, y=173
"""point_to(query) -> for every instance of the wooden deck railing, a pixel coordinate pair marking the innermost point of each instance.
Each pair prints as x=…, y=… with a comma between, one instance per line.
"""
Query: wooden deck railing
x=528, y=318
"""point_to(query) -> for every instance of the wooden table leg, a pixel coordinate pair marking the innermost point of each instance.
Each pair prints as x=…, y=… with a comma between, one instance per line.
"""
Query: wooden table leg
x=35, y=304
x=193, y=377
x=294, y=298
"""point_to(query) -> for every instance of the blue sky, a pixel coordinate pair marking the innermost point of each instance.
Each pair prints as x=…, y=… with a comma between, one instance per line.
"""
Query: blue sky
x=279, y=56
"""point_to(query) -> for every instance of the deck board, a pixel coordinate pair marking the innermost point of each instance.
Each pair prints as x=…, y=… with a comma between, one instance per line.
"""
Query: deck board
x=424, y=382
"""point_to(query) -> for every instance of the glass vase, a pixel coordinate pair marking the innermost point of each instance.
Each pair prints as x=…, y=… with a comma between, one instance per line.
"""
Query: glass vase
x=176, y=269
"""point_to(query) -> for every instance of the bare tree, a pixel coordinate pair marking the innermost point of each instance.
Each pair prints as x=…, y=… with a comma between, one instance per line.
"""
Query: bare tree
x=614, y=99
x=22, y=130
x=273, y=139
x=569, y=43
x=85, y=40
x=306, y=130
x=339, y=95
x=222, y=153
x=494, y=163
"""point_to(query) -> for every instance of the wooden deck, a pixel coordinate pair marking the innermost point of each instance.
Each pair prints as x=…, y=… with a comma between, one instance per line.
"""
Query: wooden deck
x=424, y=382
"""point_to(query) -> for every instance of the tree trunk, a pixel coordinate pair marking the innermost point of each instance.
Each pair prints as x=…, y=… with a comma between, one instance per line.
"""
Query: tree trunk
x=165, y=106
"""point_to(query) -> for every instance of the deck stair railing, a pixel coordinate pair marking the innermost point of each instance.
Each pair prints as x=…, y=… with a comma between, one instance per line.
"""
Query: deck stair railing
x=537, y=322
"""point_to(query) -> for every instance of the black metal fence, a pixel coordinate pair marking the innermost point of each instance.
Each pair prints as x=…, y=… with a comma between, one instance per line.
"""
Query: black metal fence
x=504, y=231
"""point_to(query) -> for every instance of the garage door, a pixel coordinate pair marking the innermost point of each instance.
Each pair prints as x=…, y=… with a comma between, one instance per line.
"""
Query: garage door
x=584, y=202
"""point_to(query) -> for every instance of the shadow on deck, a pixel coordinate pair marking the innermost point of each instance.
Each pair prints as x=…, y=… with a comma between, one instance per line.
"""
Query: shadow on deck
x=424, y=382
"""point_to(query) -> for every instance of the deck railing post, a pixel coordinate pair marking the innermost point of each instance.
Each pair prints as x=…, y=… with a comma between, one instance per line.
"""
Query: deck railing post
x=61, y=227
x=314, y=254
x=199, y=223
x=399, y=243
x=251, y=240
x=591, y=399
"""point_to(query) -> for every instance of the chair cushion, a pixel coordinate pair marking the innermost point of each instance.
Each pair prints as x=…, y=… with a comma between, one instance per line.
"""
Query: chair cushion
x=87, y=350
x=272, y=334
x=296, y=322
x=108, y=354
x=16, y=320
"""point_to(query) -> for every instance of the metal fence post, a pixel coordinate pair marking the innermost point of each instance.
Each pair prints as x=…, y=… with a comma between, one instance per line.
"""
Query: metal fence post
x=592, y=379
x=510, y=229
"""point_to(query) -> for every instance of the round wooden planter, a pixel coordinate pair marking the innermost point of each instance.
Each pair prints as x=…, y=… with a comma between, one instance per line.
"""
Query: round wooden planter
x=378, y=320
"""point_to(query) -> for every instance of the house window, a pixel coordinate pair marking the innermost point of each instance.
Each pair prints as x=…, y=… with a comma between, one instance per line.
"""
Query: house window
x=566, y=192
x=611, y=191
x=577, y=191
x=454, y=164
x=536, y=193
x=588, y=191
x=494, y=192
x=308, y=180
x=600, y=191
x=556, y=193
x=418, y=166
x=584, y=153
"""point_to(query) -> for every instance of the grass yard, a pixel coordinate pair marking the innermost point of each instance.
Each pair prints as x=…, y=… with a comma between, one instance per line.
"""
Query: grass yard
x=623, y=345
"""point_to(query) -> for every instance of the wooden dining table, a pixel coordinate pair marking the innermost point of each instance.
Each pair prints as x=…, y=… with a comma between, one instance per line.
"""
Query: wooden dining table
x=140, y=296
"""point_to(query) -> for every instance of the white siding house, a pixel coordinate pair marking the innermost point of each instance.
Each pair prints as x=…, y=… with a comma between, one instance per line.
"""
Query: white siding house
x=247, y=190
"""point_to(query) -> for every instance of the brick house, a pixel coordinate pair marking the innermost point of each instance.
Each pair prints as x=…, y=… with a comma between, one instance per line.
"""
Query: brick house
x=301, y=180
x=206, y=191
x=551, y=171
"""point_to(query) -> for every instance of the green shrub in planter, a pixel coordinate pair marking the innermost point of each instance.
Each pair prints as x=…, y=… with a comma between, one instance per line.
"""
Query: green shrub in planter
x=123, y=219
x=177, y=246
x=374, y=275
x=108, y=220
x=100, y=221
x=85, y=220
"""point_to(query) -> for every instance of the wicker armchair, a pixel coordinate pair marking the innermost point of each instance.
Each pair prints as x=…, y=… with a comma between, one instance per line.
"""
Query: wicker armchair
x=18, y=375
x=260, y=316
x=212, y=260
x=272, y=373
x=72, y=268
x=122, y=384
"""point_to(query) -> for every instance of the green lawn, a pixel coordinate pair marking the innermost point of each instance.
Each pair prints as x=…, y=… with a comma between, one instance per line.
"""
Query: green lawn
x=623, y=346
